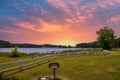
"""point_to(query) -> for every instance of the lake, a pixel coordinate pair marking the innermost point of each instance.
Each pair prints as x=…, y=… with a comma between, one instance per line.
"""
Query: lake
x=39, y=50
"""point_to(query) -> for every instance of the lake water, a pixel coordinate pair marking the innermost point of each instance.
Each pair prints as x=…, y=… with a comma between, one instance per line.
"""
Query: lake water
x=38, y=50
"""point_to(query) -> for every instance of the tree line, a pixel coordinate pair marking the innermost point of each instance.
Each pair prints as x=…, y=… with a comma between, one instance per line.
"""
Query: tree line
x=6, y=44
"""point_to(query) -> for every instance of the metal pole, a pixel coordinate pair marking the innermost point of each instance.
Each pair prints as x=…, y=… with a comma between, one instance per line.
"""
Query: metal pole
x=54, y=73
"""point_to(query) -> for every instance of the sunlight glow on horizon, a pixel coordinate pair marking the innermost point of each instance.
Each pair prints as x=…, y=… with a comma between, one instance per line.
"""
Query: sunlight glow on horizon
x=66, y=42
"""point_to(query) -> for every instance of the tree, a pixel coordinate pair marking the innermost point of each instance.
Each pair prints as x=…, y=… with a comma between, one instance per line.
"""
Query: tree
x=106, y=38
x=4, y=44
x=117, y=43
x=87, y=45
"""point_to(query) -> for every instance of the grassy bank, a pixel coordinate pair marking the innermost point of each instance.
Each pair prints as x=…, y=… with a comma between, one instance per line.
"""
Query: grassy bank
x=77, y=68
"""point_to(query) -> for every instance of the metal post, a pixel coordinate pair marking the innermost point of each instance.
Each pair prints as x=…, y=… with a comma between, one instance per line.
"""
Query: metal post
x=54, y=66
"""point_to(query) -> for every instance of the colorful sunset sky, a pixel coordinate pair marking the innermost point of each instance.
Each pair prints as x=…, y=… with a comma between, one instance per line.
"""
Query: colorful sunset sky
x=61, y=22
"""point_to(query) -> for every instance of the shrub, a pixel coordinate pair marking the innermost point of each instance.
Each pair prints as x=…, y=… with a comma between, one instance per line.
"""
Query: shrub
x=14, y=53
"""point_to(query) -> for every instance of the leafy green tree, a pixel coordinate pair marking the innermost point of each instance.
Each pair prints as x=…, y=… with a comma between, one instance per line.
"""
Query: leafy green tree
x=117, y=43
x=106, y=38
x=14, y=53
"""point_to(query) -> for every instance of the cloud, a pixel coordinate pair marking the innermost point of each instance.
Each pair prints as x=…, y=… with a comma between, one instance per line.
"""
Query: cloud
x=59, y=4
x=8, y=31
x=71, y=9
x=79, y=13
x=75, y=6
x=115, y=19
x=70, y=19
x=41, y=26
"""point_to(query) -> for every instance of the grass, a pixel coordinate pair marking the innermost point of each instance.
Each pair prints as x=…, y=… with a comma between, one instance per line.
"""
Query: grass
x=77, y=68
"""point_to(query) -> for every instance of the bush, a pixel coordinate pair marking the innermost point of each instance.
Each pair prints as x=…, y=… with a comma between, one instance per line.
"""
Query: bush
x=22, y=54
x=14, y=53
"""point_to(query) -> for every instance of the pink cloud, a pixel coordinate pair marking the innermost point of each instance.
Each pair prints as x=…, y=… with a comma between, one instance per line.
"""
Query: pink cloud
x=115, y=19
x=8, y=31
x=79, y=14
x=41, y=26
x=69, y=20
x=68, y=6
x=59, y=4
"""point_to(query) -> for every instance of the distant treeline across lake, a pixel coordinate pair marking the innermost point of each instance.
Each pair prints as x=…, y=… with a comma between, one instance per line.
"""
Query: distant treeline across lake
x=6, y=44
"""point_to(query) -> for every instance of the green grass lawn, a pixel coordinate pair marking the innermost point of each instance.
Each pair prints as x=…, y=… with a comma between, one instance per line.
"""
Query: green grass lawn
x=76, y=68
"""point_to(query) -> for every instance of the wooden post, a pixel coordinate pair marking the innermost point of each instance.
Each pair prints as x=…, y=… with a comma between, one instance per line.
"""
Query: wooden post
x=20, y=64
x=78, y=54
x=87, y=53
x=48, y=59
x=38, y=61
x=55, y=54
x=95, y=53
x=67, y=54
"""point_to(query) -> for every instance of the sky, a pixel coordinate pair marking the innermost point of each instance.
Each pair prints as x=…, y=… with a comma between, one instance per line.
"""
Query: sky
x=61, y=22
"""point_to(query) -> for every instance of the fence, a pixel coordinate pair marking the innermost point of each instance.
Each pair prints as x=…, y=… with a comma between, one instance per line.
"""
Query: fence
x=29, y=61
x=37, y=60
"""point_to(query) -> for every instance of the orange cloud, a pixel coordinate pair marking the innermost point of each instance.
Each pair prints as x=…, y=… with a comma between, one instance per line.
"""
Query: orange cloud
x=69, y=20
x=42, y=26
